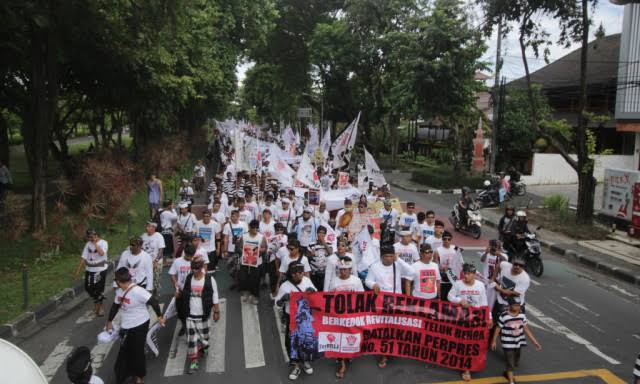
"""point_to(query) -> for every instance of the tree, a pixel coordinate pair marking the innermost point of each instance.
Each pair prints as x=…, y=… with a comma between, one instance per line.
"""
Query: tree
x=573, y=19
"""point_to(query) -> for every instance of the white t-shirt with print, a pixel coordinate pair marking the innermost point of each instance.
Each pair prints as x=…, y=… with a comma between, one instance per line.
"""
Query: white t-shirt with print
x=93, y=261
x=408, y=253
x=133, y=306
x=195, y=300
x=234, y=230
x=351, y=284
x=180, y=268
x=208, y=232
x=153, y=245
x=519, y=283
x=407, y=220
x=289, y=287
x=140, y=268
x=425, y=279
x=199, y=170
x=474, y=294
x=251, y=250
x=383, y=275
x=286, y=260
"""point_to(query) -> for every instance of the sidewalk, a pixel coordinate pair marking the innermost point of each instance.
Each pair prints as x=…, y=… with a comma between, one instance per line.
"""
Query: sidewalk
x=613, y=257
x=568, y=190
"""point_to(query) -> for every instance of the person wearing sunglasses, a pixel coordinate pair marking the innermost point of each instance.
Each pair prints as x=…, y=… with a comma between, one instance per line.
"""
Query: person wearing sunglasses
x=426, y=279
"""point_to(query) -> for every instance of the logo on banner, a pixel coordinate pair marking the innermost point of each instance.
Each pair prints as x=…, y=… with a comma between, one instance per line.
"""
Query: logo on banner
x=327, y=342
x=350, y=343
x=339, y=342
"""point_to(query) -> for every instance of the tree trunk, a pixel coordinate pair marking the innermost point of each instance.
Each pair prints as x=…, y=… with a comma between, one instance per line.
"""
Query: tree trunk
x=532, y=99
x=457, y=164
x=43, y=98
x=393, y=128
x=586, y=181
x=4, y=141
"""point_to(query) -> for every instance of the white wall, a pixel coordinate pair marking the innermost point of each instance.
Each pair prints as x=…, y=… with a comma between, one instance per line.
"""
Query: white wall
x=551, y=168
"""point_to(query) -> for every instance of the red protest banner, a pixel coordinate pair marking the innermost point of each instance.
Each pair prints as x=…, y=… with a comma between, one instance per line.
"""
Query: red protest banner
x=350, y=324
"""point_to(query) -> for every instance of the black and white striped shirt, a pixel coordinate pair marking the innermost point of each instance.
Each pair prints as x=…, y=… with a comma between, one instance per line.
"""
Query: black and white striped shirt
x=636, y=368
x=512, y=330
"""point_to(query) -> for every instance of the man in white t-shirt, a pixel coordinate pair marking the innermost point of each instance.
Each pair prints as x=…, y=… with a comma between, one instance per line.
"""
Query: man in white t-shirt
x=168, y=218
x=449, y=258
x=209, y=231
x=95, y=260
x=389, y=214
x=139, y=264
x=153, y=244
x=426, y=278
x=232, y=232
x=406, y=249
x=331, y=270
x=254, y=246
x=346, y=280
x=435, y=240
x=178, y=272
x=386, y=276
x=293, y=254
x=512, y=280
x=409, y=218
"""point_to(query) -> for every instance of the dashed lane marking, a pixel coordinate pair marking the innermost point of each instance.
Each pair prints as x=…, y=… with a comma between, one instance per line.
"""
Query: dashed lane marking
x=217, y=341
x=252, y=337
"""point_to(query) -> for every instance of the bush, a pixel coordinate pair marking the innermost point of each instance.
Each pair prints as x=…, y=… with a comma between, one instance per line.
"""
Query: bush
x=443, y=177
x=558, y=205
x=166, y=156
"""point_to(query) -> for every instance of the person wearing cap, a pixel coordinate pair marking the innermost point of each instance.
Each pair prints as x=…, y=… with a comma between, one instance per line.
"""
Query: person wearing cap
x=386, y=276
x=468, y=292
x=389, y=214
x=346, y=282
x=153, y=244
x=406, y=249
x=139, y=263
x=132, y=300
x=306, y=228
x=511, y=280
x=95, y=261
x=296, y=281
x=449, y=258
x=185, y=192
x=200, y=303
x=209, y=232
x=435, y=240
x=512, y=328
x=408, y=219
x=426, y=276
x=254, y=246
x=185, y=226
x=168, y=219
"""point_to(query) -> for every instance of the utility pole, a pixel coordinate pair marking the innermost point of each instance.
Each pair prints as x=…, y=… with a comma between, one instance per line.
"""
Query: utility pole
x=496, y=106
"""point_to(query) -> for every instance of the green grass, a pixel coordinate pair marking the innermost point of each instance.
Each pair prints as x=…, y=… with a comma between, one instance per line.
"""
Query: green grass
x=48, y=275
x=443, y=177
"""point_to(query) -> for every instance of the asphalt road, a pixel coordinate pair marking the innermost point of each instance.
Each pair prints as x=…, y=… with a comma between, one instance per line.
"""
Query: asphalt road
x=587, y=323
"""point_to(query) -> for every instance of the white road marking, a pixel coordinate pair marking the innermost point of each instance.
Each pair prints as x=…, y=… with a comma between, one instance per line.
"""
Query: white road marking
x=636, y=336
x=217, y=341
x=571, y=314
x=561, y=329
x=175, y=363
x=534, y=282
x=99, y=354
x=623, y=291
x=56, y=358
x=276, y=312
x=581, y=306
x=252, y=337
x=86, y=317
x=536, y=325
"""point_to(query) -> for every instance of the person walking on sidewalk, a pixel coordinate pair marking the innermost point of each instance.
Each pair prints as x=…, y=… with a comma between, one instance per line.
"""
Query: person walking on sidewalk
x=155, y=192
x=94, y=259
x=512, y=328
x=201, y=301
x=132, y=300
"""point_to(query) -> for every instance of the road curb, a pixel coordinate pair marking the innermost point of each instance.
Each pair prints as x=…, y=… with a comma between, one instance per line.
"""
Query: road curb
x=430, y=191
x=29, y=318
x=573, y=255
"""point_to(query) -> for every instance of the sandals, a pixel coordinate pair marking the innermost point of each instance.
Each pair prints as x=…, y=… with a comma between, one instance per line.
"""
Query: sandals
x=341, y=369
x=466, y=376
x=382, y=363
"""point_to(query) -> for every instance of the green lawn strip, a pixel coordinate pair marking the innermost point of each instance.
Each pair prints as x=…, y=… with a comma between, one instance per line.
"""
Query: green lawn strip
x=48, y=275
x=443, y=177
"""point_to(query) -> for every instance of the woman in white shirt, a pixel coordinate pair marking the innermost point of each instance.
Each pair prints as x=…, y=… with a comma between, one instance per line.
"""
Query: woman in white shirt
x=132, y=301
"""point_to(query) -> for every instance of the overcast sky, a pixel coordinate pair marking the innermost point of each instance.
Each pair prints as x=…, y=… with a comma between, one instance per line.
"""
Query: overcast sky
x=606, y=13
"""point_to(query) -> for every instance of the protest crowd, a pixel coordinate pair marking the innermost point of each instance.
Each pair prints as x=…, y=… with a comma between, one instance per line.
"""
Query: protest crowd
x=299, y=219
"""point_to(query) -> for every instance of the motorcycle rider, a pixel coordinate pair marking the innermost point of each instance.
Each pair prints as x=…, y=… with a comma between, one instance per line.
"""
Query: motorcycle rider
x=517, y=243
x=464, y=204
x=514, y=177
x=505, y=224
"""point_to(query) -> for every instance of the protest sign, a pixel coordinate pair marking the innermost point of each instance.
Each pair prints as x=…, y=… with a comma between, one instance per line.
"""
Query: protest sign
x=350, y=324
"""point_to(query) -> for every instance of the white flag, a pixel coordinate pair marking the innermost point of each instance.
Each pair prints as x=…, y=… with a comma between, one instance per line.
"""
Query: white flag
x=307, y=174
x=326, y=143
x=331, y=236
x=280, y=169
x=313, y=143
x=342, y=146
x=363, y=250
x=373, y=171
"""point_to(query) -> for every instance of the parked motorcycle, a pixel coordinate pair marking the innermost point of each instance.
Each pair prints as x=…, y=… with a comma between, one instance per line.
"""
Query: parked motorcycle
x=473, y=228
x=517, y=188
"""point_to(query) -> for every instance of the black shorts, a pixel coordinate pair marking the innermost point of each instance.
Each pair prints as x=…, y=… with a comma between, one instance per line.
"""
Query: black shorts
x=511, y=358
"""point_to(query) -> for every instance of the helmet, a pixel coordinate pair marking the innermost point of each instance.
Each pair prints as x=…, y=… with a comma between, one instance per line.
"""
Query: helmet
x=487, y=183
x=466, y=190
x=521, y=214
